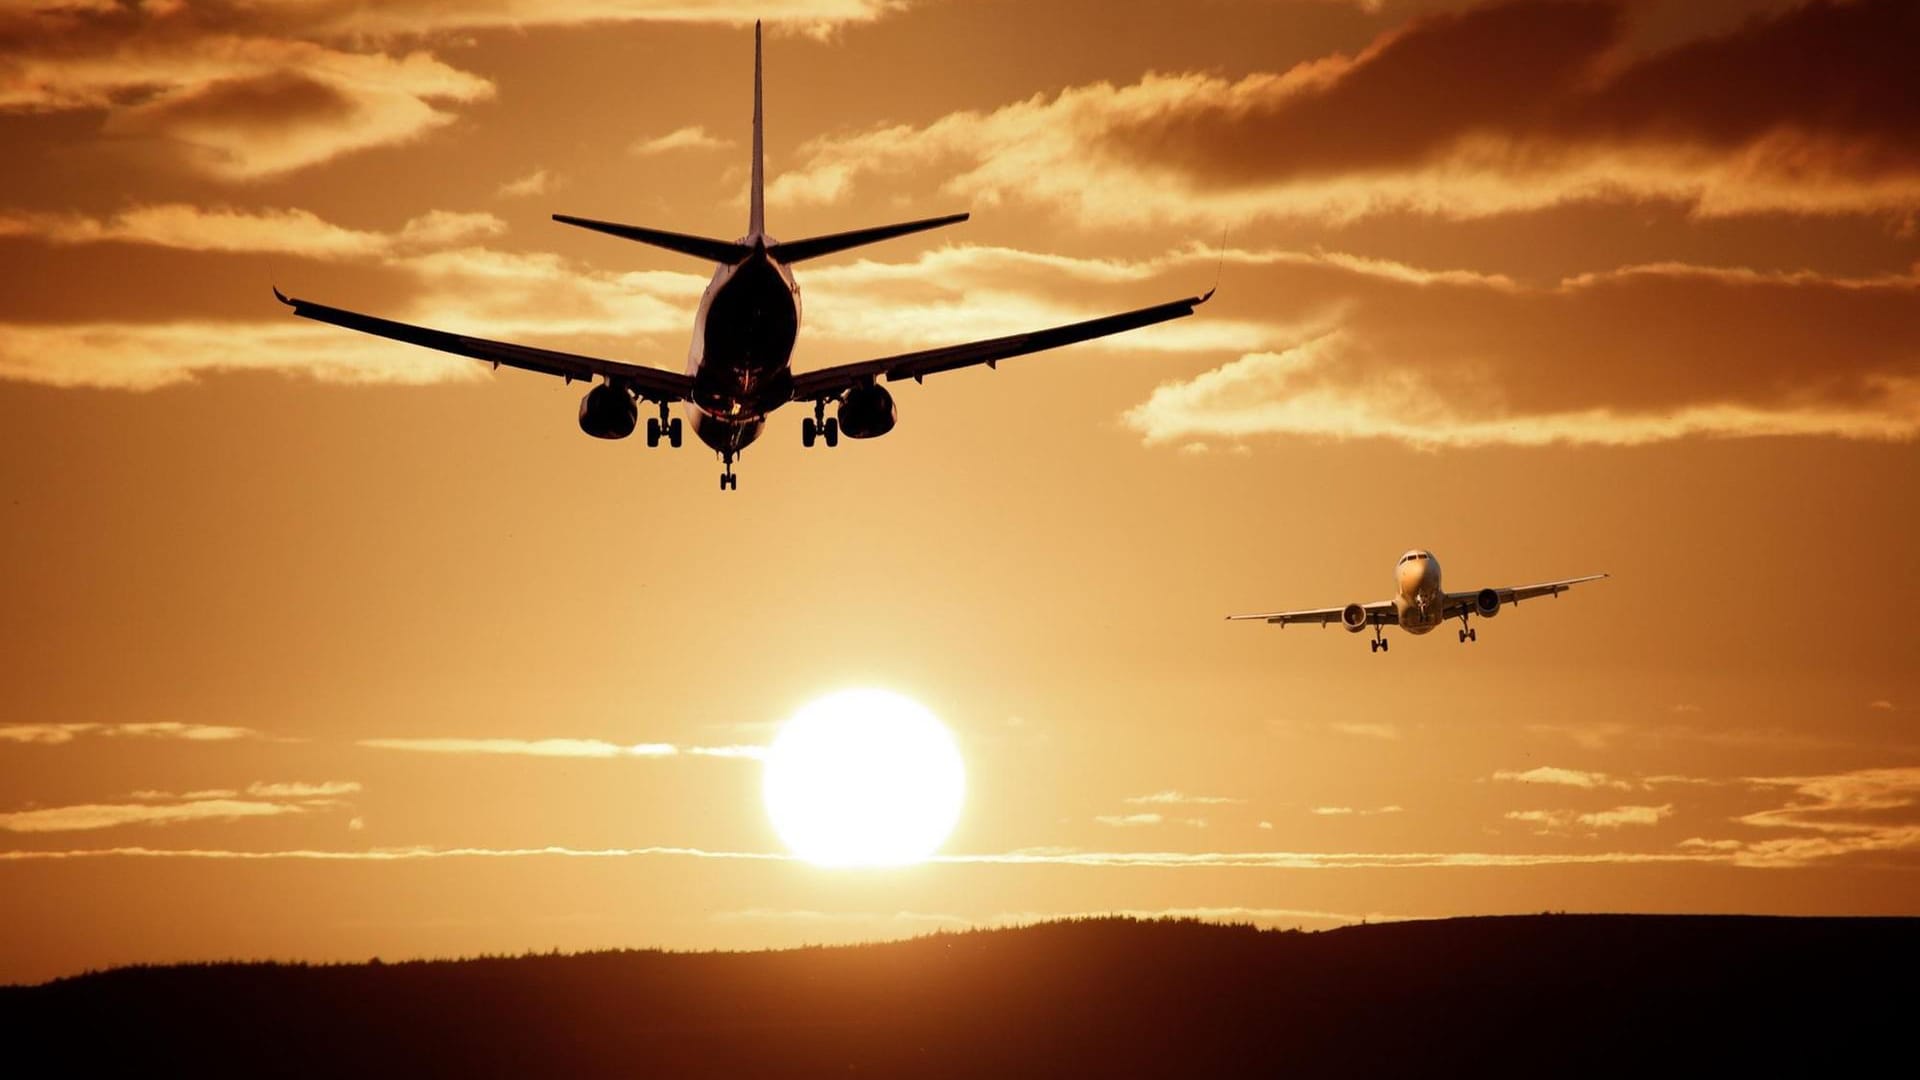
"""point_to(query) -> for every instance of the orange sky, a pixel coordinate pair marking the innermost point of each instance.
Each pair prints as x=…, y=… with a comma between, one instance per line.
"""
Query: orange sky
x=1550, y=288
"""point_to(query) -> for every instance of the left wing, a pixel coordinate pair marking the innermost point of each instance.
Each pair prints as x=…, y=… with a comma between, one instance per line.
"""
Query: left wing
x=1382, y=613
x=654, y=384
x=1463, y=601
x=828, y=382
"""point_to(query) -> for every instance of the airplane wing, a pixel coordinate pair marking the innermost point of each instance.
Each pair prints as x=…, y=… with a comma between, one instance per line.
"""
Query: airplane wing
x=1380, y=614
x=653, y=384
x=831, y=381
x=1462, y=601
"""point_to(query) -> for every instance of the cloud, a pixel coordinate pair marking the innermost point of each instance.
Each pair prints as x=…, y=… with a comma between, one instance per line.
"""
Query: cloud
x=57, y=734
x=1129, y=820
x=1348, y=811
x=289, y=232
x=571, y=748
x=1559, y=821
x=537, y=182
x=329, y=789
x=243, y=91
x=1662, y=352
x=1807, y=112
x=1882, y=704
x=109, y=815
x=150, y=807
x=1548, y=774
x=1868, y=812
x=1366, y=729
x=686, y=138
x=1179, y=798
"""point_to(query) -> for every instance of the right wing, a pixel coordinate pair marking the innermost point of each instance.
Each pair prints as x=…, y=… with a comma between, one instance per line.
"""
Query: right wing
x=826, y=382
x=653, y=384
x=1380, y=614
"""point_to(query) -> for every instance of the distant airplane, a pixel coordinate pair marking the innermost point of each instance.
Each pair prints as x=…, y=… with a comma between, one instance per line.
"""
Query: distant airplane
x=743, y=334
x=1419, y=606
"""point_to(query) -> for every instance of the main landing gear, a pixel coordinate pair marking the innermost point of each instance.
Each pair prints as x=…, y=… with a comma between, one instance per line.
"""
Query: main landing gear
x=728, y=481
x=1467, y=633
x=819, y=426
x=663, y=425
x=1379, y=642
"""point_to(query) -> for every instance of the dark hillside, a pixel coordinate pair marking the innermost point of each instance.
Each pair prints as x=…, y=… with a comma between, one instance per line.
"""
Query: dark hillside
x=1535, y=996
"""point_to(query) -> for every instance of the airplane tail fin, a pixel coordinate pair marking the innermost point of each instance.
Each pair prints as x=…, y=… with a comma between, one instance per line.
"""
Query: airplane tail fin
x=757, y=210
x=792, y=251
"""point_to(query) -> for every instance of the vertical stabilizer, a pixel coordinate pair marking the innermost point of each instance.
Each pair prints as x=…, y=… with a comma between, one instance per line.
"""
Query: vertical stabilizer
x=756, y=213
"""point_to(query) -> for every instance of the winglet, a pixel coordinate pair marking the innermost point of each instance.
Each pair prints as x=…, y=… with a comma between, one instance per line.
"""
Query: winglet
x=280, y=296
x=756, y=210
x=1206, y=296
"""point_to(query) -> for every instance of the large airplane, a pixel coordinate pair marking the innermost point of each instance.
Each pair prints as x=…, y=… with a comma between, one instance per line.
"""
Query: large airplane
x=1419, y=605
x=738, y=369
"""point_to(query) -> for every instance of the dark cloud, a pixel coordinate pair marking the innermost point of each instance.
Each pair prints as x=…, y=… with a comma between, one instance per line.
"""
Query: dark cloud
x=1544, y=78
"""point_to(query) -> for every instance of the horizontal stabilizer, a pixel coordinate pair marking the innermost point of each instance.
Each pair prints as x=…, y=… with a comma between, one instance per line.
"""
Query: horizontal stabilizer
x=702, y=247
x=793, y=251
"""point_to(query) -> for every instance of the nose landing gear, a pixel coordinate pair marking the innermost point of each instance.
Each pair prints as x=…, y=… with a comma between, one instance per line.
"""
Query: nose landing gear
x=728, y=481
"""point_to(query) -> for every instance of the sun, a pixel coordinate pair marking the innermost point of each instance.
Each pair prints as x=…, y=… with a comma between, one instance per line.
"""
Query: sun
x=864, y=778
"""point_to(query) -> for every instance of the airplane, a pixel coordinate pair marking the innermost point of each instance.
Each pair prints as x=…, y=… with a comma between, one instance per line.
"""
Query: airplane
x=738, y=368
x=1419, y=605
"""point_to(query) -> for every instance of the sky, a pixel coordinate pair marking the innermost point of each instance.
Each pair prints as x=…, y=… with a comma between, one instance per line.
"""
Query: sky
x=316, y=646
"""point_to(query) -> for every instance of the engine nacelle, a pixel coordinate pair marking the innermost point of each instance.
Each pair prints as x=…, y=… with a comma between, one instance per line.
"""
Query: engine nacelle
x=1486, y=603
x=866, y=412
x=1354, y=618
x=608, y=412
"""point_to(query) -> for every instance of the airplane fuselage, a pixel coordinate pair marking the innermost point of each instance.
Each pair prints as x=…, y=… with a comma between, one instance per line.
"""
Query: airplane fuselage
x=742, y=351
x=1417, y=597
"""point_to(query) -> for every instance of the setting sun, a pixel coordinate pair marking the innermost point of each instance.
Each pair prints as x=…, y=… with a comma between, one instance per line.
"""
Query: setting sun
x=864, y=778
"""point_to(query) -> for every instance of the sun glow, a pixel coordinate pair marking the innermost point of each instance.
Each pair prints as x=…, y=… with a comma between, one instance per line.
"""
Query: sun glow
x=864, y=778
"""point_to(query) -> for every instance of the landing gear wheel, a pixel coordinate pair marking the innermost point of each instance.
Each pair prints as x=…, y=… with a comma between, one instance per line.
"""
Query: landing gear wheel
x=673, y=433
x=832, y=431
x=808, y=432
x=1463, y=637
x=653, y=432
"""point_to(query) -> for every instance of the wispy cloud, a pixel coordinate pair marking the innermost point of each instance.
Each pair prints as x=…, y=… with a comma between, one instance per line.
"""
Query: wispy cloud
x=1708, y=125
x=1366, y=729
x=1549, y=774
x=537, y=182
x=686, y=138
x=326, y=789
x=566, y=748
x=186, y=227
x=1550, y=822
x=264, y=800
x=1127, y=821
x=1181, y=798
x=1350, y=811
x=57, y=734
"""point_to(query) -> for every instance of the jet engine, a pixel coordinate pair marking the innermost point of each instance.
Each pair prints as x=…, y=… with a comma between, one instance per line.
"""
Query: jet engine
x=1486, y=603
x=866, y=412
x=608, y=412
x=1354, y=618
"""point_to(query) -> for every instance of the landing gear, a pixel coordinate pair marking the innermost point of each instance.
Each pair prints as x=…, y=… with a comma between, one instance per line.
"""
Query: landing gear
x=663, y=425
x=1467, y=633
x=819, y=426
x=1379, y=642
x=728, y=481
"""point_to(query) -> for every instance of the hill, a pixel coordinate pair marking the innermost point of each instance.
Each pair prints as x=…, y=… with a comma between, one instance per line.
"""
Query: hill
x=1534, y=995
